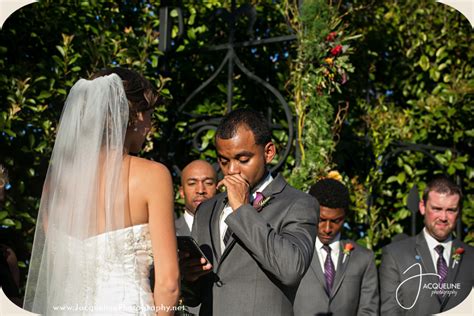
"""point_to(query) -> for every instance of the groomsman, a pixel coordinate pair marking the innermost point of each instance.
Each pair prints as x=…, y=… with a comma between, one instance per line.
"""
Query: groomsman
x=258, y=235
x=342, y=278
x=198, y=184
x=433, y=271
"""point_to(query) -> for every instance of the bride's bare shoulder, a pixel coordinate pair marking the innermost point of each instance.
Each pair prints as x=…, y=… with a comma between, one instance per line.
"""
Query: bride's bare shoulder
x=147, y=168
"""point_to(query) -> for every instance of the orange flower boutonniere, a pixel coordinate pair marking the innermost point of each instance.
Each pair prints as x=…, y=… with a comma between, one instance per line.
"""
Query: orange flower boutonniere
x=347, y=250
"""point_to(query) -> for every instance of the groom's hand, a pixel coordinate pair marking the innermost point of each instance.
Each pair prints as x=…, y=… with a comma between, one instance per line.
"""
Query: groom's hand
x=238, y=190
x=193, y=268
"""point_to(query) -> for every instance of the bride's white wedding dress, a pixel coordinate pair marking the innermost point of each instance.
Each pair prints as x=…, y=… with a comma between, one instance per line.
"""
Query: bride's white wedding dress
x=75, y=268
x=130, y=270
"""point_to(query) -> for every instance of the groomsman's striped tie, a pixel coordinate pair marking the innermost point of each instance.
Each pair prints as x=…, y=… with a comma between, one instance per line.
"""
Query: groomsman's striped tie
x=329, y=271
x=441, y=264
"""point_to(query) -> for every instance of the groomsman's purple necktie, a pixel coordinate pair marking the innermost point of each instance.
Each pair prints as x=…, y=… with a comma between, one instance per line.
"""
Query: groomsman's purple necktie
x=329, y=271
x=441, y=264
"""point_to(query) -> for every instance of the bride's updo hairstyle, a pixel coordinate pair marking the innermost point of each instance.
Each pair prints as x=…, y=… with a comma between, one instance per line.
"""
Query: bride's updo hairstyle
x=139, y=91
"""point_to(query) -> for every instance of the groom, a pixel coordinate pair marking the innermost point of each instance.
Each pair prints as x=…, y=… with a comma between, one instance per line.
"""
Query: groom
x=259, y=235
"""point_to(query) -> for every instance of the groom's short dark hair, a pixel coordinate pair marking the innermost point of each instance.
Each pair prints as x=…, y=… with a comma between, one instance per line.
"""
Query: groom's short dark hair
x=251, y=119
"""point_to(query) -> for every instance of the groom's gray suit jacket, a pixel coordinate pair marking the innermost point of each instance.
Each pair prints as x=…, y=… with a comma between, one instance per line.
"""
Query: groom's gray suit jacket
x=400, y=256
x=355, y=290
x=268, y=254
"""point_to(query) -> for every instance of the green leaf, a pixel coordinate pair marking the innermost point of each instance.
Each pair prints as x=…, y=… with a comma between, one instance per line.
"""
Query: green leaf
x=401, y=177
x=8, y=222
x=44, y=95
x=424, y=62
x=440, y=51
x=451, y=170
x=408, y=170
x=3, y=214
x=154, y=61
x=61, y=50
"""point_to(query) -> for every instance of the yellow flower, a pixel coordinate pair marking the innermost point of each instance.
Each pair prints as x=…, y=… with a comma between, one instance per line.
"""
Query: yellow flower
x=329, y=60
x=334, y=174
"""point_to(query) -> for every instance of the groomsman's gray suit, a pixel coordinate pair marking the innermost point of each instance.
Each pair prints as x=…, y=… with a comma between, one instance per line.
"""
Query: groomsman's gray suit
x=355, y=290
x=263, y=263
x=182, y=228
x=400, y=256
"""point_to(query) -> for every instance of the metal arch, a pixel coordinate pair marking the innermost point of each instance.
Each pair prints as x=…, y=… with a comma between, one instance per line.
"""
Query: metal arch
x=424, y=149
x=207, y=82
x=282, y=101
x=402, y=147
x=231, y=59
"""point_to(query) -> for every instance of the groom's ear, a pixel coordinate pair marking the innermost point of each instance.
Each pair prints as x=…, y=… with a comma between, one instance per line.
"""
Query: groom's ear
x=269, y=152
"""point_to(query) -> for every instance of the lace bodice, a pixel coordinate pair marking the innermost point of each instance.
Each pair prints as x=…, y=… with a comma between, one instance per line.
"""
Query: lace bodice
x=117, y=280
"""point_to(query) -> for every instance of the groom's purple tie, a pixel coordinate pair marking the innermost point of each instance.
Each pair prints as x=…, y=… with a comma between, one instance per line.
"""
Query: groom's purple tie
x=329, y=271
x=441, y=264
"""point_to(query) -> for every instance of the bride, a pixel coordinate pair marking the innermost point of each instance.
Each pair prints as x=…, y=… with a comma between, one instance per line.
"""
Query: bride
x=105, y=216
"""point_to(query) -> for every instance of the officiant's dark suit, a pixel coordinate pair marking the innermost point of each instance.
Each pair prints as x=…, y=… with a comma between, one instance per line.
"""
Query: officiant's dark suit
x=271, y=244
x=415, y=255
x=353, y=289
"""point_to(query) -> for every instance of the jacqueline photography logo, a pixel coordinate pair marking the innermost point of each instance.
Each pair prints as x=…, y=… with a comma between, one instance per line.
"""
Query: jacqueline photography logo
x=441, y=289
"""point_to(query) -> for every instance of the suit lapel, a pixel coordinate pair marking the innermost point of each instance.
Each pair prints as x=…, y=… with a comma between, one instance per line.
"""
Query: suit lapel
x=453, y=270
x=274, y=188
x=214, y=225
x=423, y=252
x=182, y=228
x=317, y=269
x=341, y=268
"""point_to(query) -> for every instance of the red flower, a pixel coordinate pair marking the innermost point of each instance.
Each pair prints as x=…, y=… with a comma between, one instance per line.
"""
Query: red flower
x=347, y=250
x=336, y=50
x=331, y=36
x=457, y=255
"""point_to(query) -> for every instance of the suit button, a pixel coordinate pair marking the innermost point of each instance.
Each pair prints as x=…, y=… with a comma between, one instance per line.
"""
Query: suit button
x=219, y=283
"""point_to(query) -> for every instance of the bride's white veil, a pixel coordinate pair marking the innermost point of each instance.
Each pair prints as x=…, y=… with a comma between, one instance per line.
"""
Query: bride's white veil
x=82, y=199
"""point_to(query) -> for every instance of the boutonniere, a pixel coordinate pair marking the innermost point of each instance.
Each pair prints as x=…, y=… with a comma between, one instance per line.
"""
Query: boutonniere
x=457, y=255
x=347, y=250
x=260, y=201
